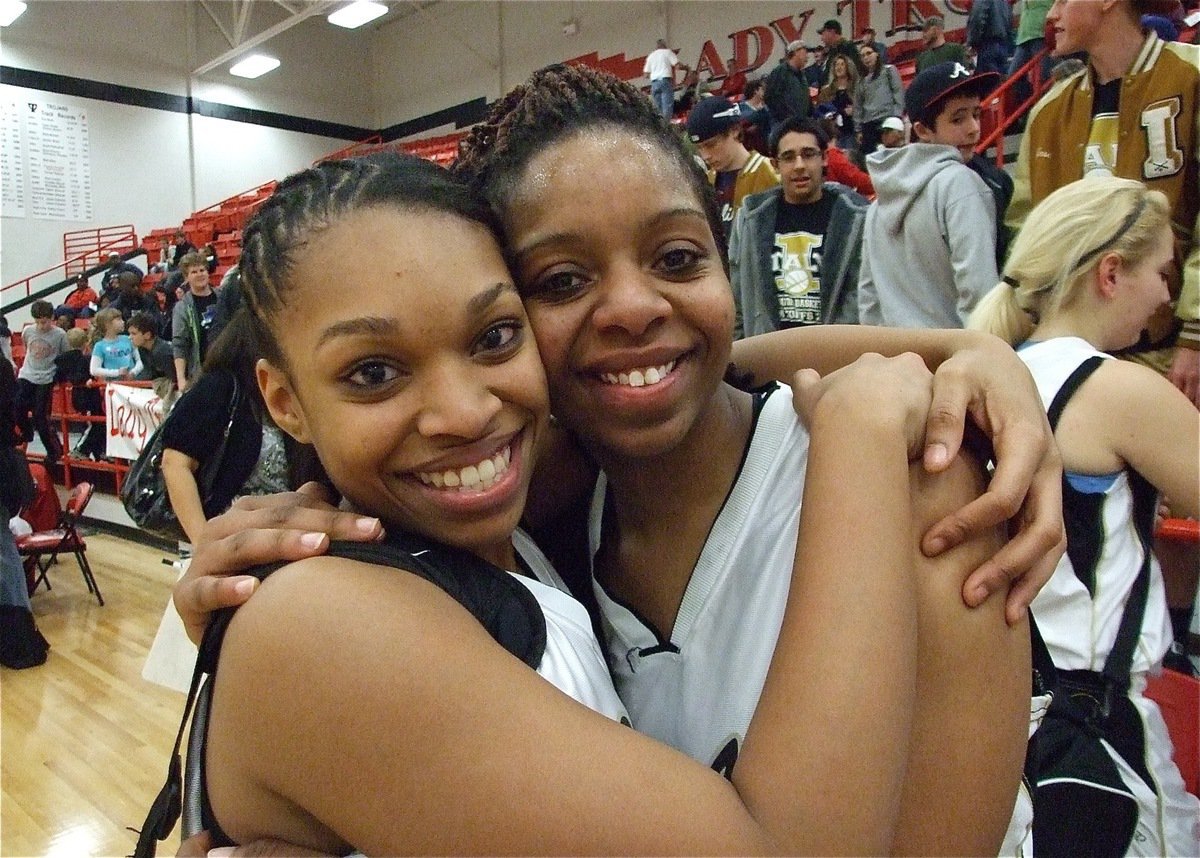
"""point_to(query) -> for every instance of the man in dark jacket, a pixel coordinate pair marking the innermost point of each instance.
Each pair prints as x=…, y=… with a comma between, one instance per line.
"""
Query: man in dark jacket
x=787, y=90
x=831, y=36
x=989, y=32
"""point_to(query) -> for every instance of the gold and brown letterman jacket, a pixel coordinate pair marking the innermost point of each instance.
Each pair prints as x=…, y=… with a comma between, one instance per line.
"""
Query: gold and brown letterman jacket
x=1158, y=144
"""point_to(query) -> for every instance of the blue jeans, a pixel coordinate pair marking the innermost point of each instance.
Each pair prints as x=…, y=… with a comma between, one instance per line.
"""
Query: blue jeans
x=662, y=93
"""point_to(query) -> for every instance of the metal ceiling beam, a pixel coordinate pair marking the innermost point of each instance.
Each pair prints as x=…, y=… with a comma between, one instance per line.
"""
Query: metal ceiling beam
x=305, y=11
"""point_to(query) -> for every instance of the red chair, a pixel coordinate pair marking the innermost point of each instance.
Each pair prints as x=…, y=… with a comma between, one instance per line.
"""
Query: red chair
x=1178, y=698
x=44, y=546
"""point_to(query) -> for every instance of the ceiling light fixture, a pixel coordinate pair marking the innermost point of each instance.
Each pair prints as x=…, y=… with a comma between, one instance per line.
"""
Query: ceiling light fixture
x=357, y=14
x=254, y=65
x=10, y=10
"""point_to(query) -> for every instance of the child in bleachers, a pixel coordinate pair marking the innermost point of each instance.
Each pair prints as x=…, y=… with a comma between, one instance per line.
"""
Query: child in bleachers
x=929, y=241
x=113, y=353
x=74, y=367
x=44, y=341
x=1089, y=268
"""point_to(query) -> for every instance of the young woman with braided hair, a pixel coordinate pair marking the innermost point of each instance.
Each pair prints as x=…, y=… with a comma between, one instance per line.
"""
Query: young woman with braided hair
x=630, y=304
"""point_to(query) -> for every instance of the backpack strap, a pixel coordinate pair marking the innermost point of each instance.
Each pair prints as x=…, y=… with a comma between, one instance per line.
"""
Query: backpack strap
x=505, y=607
x=1120, y=658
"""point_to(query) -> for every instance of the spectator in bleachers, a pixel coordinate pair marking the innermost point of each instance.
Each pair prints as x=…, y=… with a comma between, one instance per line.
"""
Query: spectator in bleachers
x=81, y=303
x=891, y=133
x=6, y=341
x=116, y=265
x=254, y=460
x=990, y=35
x=929, y=243
x=937, y=49
x=180, y=247
x=44, y=341
x=786, y=92
x=1030, y=39
x=878, y=95
x=113, y=353
x=158, y=360
x=715, y=126
x=794, y=251
x=128, y=298
x=814, y=72
x=660, y=68
x=192, y=320
x=868, y=37
x=755, y=114
x=74, y=366
x=1086, y=273
x=21, y=644
x=839, y=91
x=839, y=166
x=209, y=252
x=64, y=320
x=1132, y=113
x=836, y=46
x=735, y=80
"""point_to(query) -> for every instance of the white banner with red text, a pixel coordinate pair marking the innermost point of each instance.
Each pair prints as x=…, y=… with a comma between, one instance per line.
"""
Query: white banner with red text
x=133, y=413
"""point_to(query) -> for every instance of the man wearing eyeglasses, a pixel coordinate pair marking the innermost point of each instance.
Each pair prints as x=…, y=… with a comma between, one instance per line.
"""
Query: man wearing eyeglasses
x=794, y=249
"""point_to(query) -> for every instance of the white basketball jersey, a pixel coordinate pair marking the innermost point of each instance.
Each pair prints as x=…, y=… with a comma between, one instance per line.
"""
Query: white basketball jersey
x=1080, y=627
x=697, y=692
x=572, y=661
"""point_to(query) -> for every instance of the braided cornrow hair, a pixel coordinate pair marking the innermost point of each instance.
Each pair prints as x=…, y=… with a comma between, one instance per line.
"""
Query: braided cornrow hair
x=556, y=103
x=314, y=199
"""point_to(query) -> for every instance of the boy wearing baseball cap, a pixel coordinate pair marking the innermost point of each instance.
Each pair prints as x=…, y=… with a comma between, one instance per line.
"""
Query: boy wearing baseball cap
x=714, y=125
x=929, y=242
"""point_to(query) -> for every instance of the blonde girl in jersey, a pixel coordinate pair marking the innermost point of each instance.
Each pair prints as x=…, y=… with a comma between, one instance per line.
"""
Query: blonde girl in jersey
x=1089, y=268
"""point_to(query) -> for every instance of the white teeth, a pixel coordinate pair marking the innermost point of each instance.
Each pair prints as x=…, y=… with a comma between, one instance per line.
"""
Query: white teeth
x=639, y=377
x=472, y=478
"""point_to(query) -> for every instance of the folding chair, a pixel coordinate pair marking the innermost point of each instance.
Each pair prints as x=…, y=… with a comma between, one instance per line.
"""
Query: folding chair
x=44, y=546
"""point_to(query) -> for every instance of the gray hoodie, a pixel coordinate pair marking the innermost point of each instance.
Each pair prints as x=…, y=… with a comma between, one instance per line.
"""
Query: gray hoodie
x=929, y=241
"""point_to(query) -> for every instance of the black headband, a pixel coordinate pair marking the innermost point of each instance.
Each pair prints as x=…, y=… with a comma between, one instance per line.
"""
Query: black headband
x=1125, y=227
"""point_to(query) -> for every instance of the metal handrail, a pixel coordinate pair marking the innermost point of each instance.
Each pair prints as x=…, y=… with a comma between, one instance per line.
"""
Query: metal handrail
x=1031, y=70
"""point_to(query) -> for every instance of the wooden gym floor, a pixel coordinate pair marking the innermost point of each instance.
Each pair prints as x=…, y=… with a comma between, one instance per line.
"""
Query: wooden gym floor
x=84, y=740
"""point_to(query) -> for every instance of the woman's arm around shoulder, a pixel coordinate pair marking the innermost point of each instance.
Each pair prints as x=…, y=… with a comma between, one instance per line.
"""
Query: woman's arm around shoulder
x=355, y=705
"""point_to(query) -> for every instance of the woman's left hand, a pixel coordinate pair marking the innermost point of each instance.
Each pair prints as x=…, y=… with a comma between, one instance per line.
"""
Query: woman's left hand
x=988, y=381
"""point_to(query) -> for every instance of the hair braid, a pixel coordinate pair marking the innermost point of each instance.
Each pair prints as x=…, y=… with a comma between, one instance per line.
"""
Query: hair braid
x=312, y=200
x=557, y=102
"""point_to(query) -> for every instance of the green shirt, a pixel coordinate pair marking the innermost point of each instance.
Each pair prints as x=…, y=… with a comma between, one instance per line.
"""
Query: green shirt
x=1033, y=20
x=951, y=52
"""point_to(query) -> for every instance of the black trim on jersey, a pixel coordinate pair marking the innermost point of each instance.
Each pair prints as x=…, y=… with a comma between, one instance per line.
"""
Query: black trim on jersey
x=508, y=611
x=1087, y=702
x=758, y=401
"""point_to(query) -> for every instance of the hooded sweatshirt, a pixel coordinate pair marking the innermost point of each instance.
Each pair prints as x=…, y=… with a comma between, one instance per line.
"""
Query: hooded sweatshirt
x=929, y=241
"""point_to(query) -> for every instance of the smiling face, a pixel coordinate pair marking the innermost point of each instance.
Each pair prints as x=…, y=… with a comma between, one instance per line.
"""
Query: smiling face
x=422, y=391
x=626, y=292
x=197, y=279
x=1076, y=24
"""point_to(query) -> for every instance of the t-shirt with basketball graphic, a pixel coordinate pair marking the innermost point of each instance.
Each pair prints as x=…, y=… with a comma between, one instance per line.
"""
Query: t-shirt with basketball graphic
x=796, y=260
x=1100, y=153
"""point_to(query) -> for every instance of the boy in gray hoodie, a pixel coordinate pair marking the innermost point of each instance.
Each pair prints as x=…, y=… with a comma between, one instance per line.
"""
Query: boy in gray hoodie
x=929, y=241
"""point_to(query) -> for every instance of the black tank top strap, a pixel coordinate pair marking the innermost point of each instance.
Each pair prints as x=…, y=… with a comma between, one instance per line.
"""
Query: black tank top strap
x=505, y=607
